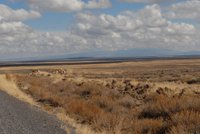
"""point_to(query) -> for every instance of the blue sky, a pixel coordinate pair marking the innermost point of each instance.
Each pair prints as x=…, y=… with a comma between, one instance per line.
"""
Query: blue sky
x=30, y=28
x=52, y=21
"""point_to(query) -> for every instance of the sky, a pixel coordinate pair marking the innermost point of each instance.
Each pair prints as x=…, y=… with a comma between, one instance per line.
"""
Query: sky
x=39, y=28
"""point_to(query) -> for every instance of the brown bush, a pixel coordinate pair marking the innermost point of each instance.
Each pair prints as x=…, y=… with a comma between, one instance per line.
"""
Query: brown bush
x=194, y=81
x=186, y=122
x=109, y=109
x=148, y=126
x=86, y=111
x=162, y=106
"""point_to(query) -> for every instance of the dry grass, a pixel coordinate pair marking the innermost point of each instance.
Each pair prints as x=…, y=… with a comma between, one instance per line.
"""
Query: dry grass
x=186, y=122
x=142, y=98
x=111, y=109
x=9, y=86
x=164, y=107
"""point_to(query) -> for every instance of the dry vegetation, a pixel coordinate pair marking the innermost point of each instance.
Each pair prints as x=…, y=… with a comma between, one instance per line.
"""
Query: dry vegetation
x=154, y=97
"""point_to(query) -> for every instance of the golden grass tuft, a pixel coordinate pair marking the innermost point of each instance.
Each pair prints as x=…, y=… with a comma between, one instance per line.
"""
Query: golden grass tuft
x=8, y=85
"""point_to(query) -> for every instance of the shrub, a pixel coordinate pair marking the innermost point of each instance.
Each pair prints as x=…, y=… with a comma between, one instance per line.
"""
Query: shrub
x=148, y=126
x=186, y=122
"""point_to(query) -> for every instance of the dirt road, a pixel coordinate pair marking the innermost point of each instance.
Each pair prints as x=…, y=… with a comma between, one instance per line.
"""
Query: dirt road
x=17, y=117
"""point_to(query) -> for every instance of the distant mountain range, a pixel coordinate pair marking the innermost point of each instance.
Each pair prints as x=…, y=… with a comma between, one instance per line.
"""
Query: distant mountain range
x=133, y=53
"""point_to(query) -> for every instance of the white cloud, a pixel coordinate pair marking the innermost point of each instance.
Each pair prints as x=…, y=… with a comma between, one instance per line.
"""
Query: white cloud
x=98, y=4
x=146, y=1
x=185, y=10
x=146, y=28
x=67, y=5
x=9, y=14
x=18, y=39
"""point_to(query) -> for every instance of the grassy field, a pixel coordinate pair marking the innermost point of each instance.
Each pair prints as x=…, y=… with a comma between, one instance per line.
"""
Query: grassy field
x=144, y=97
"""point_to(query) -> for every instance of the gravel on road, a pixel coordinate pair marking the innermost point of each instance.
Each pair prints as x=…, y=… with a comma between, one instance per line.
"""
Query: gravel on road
x=17, y=117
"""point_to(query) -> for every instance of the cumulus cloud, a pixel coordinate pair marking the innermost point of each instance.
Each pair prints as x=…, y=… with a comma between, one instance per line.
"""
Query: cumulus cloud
x=146, y=1
x=19, y=39
x=92, y=4
x=67, y=5
x=9, y=14
x=185, y=10
x=145, y=28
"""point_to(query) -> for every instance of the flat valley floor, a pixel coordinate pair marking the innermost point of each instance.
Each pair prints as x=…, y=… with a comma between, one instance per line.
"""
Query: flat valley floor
x=141, y=97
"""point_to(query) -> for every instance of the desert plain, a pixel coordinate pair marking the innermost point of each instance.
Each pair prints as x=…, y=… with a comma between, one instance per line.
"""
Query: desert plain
x=130, y=97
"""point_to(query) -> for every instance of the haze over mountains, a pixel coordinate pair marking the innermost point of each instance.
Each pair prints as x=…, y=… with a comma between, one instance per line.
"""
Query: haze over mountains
x=132, y=53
